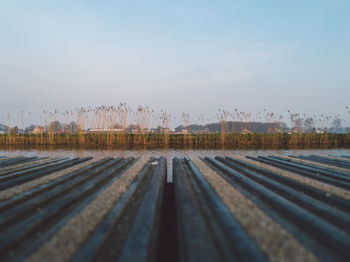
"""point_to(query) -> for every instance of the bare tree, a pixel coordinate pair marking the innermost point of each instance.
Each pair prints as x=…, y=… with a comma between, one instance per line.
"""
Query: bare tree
x=309, y=124
x=336, y=124
x=55, y=126
x=297, y=124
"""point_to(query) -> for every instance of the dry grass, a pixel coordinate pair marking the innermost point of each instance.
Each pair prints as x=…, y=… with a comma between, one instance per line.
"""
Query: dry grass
x=227, y=141
x=122, y=126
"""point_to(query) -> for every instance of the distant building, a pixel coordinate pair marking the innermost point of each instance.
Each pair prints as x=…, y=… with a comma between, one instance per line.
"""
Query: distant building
x=105, y=130
x=319, y=131
x=246, y=131
x=39, y=130
x=296, y=130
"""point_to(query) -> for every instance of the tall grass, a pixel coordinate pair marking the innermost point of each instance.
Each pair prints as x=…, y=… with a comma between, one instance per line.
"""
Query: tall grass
x=123, y=126
x=181, y=140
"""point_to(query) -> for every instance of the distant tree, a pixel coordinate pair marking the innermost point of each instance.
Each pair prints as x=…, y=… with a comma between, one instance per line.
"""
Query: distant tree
x=131, y=127
x=72, y=127
x=336, y=124
x=14, y=130
x=297, y=124
x=158, y=129
x=30, y=128
x=118, y=126
x=309, y=124
x=255, y=127
x=179, y=128
x=3, y=127
x=55, y=126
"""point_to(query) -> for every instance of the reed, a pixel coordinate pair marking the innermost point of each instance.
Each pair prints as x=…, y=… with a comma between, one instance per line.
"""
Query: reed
x=180, y=140
x=120, y=126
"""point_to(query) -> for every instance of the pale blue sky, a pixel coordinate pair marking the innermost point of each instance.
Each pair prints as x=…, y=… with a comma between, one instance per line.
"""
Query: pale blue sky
x=191, y=56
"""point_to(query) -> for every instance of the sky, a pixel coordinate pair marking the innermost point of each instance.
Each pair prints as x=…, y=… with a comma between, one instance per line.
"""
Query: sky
x=179, y=56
